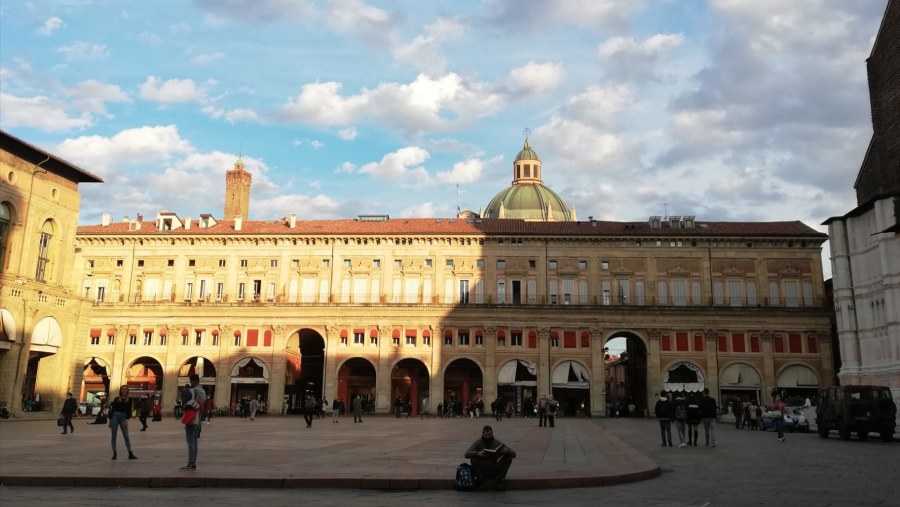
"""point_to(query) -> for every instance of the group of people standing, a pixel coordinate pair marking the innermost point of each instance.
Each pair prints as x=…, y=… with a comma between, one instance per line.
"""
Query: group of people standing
x=688, y=412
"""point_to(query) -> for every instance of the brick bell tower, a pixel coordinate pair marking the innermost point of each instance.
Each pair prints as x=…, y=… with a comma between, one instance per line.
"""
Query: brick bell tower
x=237, y=192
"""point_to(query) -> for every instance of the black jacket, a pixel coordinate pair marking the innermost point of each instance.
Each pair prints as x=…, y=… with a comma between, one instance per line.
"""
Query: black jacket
x=708, y=407
x=665, y=409
x=70, y=406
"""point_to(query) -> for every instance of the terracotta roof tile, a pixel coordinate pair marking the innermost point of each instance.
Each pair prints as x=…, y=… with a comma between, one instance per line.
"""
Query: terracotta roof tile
x=449, y=226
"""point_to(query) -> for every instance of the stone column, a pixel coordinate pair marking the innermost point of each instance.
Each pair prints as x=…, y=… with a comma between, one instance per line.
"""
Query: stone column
x=383, y=373
x=768, y=380
x=223, y=368
x=543, y=377
x=598, y=373
x=436, y=394
x=490, y=366
x=654, y=379
x=276, y=380
x=823, y=340
x=712, y=360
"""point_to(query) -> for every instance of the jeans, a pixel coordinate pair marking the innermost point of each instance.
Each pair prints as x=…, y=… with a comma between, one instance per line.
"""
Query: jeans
x=779, y=426
x=191, y=432
x=116, y=420
x=709, y=429
x=665, y=430
x=679, y=425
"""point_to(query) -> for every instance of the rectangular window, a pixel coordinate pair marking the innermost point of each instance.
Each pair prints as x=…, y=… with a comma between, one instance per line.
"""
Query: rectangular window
x=501, y=292
x=220, y=291
x=428, y=263
x=373, y=340
x=348, y=263
x=395, y=341
x=808, y=293
x=604, y=265
x=582, y=265
x=270, y=295
x=426, y=340
x=326, y=263
x=568, y=291
x=681, y=342
x=754, y=343
x=723, y=344
x=779, y=344
x=198, y=338
x=773, y=294
x=376, y=263
x=215, y=340
x=448, y=339
x=501, y=264
x=203, y=289
x=665, y=342
x=132, y=340
x=515, y=339
x=679, y=292
x=163, y=340
x=795, y=344
x=188, y=290
x=101, y=293
x=295, y=263
x=398, y=263
x=737, y=342
x=192, y=262
x=148, y=338
x=273, y=263
x=696, y=293
x=243, y=263
x=120, y=263
x=479, y=339
x=734, y=293
x=551, y=265
x=463, y=337
x=718, y=293
x=95, y=340
x=241, y=289
x=359, y=338
x=237, y=340
x=411, y=338
x=790, y=294
x=812, y=346
x=111, y=339
x=479, y=263
x=184, y=340
x=252, y=337
x=569, y=339
x=449, y=263
x=221, y=263
x=464, y=292
x=698, y=343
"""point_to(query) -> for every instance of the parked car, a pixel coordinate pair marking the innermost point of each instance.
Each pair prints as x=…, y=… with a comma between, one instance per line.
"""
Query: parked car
x=794, y=420
x=860, y=409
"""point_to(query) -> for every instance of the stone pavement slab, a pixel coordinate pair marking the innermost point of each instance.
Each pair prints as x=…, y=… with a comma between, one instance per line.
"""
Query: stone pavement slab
x=280, y=452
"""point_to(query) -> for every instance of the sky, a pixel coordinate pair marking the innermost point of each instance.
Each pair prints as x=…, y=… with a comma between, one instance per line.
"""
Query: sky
x=728, y=110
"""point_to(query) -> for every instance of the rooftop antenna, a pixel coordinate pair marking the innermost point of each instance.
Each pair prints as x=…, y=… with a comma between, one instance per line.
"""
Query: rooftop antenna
x=458, y=210
x=665, y=211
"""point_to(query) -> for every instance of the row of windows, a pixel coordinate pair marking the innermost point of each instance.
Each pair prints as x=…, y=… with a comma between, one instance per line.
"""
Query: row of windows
x=740, y=342
x=199, y=339
x=348, y=263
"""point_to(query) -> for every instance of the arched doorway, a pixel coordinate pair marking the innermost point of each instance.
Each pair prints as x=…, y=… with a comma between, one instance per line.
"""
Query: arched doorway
x=796, y=383
x=739, y=383
x=46, y=339
x=95, y=381
x=249, y=380
x=144, y=379
x=409, y=385
x=203, y=367
x=305, y=362
x=572, y=388
x=627, y=375
x=517, y=382
x=356, y=377
x=463, y=381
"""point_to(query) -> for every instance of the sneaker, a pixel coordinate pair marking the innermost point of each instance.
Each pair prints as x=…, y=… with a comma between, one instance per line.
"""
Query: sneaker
x=781, y=439
x=682, y=444
x=189, y=466
x=500, y=485
x=712, y=445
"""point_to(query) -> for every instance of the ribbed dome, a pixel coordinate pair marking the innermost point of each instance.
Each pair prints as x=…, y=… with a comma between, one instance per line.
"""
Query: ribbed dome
x=528, y=201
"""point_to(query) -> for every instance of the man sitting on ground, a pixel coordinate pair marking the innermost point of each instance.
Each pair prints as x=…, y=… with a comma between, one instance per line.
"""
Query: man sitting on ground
x=490, y=459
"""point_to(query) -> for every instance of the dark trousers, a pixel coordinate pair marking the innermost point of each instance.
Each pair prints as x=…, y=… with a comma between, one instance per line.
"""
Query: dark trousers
x=308, y=417
x=665, y=430
x=550, y=418
x=67, y=423
x=143, y=419
x=490, y=469
x=542, y=418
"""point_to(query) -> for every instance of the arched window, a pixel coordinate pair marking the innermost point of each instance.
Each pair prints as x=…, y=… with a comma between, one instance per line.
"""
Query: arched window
x=44, y=252
x=5, y=221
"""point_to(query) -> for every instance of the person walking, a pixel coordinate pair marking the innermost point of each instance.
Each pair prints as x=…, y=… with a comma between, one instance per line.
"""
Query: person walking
x=665, y=412
x=754, y=415
x=191, y=420
x=708, y=411
x=119, y=414
x=680, y=406
x=254, y=407
x=309, y=409
x=498, y=407
x=737, y=409
x=145, y=412
x=335, y=410
x=778, y=406
x=552, y=408
x=69, y=408
x=357, y=409
x=542, y=410
x=693, y=419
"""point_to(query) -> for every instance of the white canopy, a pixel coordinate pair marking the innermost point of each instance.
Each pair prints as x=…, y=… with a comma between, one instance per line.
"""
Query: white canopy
x=236, y=371
x=571, y=375
x=507, y=374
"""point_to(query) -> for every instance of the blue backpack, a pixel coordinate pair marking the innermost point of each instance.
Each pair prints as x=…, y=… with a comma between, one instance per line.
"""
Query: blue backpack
x=465, y=479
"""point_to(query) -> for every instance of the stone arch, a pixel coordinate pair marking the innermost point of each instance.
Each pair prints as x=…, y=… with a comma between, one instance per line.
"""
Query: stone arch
x=463, y=380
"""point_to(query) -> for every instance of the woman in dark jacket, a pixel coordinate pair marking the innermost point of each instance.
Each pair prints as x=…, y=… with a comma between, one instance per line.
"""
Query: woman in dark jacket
x=119, y=414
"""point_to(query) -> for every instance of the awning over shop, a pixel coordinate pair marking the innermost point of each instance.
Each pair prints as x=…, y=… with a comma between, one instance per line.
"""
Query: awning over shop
x=517, y=373
x=798, y=376
x=572, y=375
x=740, y=375
x=683, y=376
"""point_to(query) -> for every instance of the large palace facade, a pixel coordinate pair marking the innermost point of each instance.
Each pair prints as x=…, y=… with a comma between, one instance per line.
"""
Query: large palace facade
x=516, y=301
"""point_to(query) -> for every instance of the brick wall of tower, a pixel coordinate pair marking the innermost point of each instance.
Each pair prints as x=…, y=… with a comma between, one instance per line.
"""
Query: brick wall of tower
x=237, y=193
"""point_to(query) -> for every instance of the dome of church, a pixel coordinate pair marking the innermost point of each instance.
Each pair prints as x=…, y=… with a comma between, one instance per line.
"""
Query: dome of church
x=527, y=198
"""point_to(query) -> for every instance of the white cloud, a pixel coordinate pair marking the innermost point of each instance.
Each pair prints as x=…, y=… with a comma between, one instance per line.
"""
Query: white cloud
x=535, y=78
x=84, y=51
x=597, y=15
x=207, y=58
x=628, y=58
x=257, y=12
x=39, y=112
x=467, y=171
x=170, y=91
x=231, y=116
x=316, y=144
x=51, y=25
x=92, y=95
x=347, y=134
x=418, y=210
x=423, y=52
x=367, y=23
x=425, y=104
x=403, y=167
x=150, y=39
x=345, y=168
x=144, y=146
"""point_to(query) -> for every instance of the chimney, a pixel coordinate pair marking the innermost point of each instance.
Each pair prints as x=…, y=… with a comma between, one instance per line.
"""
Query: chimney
x=126, y=219
x=293, y=220
x=140, y=217
x=237, y=223
x=105, y=220
x=187, y=223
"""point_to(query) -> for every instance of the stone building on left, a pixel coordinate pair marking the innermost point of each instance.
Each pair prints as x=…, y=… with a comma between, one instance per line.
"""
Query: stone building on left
x=40, y=357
